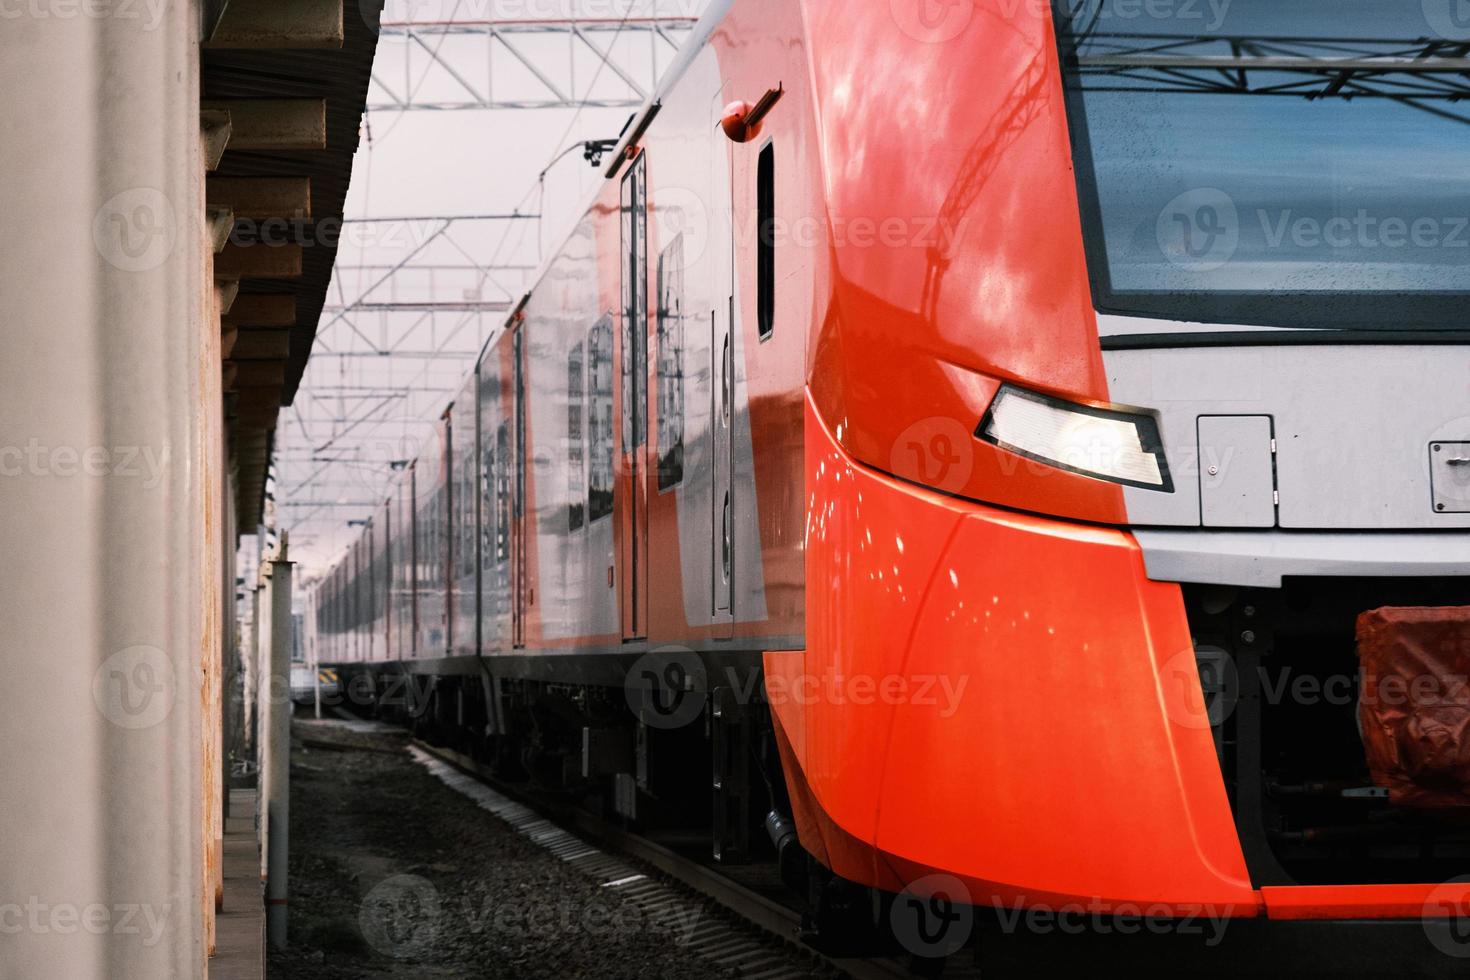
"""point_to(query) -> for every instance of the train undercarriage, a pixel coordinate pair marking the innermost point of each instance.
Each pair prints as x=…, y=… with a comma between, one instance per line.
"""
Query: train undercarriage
x=1281, y=672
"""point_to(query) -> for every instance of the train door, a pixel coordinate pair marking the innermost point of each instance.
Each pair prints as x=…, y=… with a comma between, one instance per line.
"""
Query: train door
x=387, y=582
x=521, y=586
x=411, y=648
x=495, y=524
x=722, y=390
x=451, y=525
x=633, y=514
x=444, y=541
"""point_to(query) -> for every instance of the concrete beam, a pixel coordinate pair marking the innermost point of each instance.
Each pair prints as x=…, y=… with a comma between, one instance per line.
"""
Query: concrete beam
x=258, y=262
x=256, y=24
x=264, y=310
x=221, y=221
x=228, y=290
x=260, y=198
x=228, y=337
x=262, y=345
x=214, y=135
x=275, y=124
x=259, y=406
x=250, y=445
x=263, y=417
x=262, y=374
x=259, y=396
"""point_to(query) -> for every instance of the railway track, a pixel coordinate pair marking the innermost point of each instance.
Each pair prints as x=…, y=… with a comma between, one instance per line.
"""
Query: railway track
x=764, y=941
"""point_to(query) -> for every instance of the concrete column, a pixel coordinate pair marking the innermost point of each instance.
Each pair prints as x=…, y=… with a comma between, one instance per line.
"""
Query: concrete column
x=209, y=511
x=101, y=312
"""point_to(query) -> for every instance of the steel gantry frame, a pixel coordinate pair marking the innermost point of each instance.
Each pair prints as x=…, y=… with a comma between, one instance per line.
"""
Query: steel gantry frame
x=504, y=38
x=1417, y=73
x=340, y=334
x=406, y=320
x=343, y=425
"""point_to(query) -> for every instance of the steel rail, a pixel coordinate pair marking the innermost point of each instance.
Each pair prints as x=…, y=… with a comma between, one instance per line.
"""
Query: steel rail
x=771, y=916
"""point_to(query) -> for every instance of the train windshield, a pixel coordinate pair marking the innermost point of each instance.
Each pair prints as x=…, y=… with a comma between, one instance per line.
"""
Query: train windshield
x=1289, y=163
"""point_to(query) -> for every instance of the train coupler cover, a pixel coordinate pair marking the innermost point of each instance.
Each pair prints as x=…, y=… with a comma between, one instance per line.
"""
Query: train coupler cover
x=1414, y=703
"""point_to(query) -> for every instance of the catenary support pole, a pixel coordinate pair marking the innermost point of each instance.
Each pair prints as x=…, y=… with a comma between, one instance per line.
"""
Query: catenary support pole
x=278, y=761
x=261, y=680
x=249, y=679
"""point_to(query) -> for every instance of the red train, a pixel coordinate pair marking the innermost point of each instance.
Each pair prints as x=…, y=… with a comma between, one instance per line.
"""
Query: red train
x=940, y=430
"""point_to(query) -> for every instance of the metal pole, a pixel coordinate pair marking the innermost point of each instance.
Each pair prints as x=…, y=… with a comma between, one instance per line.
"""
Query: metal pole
x=278, y=758
x=260, y=679
x=260, y=659
x=247, y=664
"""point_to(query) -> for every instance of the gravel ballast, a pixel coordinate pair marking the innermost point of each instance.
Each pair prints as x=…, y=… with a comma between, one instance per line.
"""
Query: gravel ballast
x=395, y=875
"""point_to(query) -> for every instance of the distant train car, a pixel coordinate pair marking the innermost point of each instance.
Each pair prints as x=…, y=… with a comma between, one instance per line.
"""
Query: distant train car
x=946, y=438
x=307, y=680
x=307, y=683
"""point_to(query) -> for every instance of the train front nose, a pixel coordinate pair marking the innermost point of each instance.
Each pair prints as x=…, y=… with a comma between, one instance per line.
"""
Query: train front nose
x=1040, y=721
x=1042, y=734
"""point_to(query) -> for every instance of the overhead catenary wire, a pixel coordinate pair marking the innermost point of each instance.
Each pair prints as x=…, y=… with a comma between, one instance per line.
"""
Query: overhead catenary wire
x=363, y=426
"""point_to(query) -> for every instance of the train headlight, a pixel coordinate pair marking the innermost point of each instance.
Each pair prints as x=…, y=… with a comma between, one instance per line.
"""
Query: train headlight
x=1123, y=447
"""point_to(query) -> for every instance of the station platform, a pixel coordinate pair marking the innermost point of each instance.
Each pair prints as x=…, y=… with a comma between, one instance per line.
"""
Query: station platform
x=240, y=926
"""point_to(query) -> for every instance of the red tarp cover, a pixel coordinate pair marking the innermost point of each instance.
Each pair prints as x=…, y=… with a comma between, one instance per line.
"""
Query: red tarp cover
x=1414, y=703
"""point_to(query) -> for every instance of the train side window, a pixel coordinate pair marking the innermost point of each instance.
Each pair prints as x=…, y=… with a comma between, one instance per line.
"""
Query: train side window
x=600, y=420
x=502, y=494
x=436, y=535
x=487, y=498
x=635, y=302
x=671, y=364
x=488, y=397
x=465, y=502
x=420, y=537
x=576, y=477
x=766, y=244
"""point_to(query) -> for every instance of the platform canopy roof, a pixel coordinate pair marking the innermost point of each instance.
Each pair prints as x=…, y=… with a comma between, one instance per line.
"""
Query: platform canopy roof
x=283, y=89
